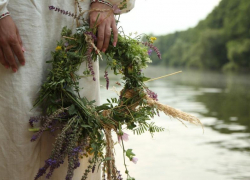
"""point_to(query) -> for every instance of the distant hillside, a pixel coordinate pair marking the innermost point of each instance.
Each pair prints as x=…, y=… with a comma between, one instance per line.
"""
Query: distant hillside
x=221, y=41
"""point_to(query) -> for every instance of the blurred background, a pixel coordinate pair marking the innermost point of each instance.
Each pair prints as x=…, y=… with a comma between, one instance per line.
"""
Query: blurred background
x=209, y=40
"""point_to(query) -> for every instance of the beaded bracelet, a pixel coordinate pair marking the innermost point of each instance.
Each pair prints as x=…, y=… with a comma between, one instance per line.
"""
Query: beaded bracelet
x=102, y=1
x=4, y=15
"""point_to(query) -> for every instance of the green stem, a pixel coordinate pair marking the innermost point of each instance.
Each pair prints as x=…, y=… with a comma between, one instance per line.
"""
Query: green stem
x=124, y=161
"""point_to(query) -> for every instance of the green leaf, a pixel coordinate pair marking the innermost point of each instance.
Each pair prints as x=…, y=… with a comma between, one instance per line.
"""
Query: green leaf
x=129, y=153
x=34, y=129
x=131, y=125
x=72, y=110
x=85, y=126
x=145, y=79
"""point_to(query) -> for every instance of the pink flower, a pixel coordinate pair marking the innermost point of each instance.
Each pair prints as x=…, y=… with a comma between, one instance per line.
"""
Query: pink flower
x=134, y=160
x=124, y=137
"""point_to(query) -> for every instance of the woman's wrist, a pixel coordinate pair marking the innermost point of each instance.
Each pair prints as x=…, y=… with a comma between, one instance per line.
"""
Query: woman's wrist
x=4, y=15
x=103, y=2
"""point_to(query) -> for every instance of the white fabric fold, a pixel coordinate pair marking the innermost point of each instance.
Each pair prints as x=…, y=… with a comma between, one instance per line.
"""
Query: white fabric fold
x=3, y=6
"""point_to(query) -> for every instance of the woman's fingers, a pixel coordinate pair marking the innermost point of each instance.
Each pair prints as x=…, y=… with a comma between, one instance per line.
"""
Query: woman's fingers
x=3, y=60
x=17, y=49
x=115, y=33
x=107, y=37
x=10, y=57
x=100, y=36
x=106, y=22
x=19, y=37
x=10, y=44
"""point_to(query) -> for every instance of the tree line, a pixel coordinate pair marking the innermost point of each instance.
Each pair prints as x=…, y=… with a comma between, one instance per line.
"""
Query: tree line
x=220, y=42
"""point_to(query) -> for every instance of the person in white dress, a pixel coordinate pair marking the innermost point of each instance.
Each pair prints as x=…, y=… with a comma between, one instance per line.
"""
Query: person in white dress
x=29, y=31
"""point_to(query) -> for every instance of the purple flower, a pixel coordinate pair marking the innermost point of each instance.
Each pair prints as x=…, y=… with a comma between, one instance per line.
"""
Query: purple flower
x=90, y=64
x=107, y=79
x=51, y=7
x=152, y=94
x=91, y=34
x=123, y=137
x=150, y=52
x=134, y=160
x=32, y=120
x=63, y=12
x=66, y=44
x=77, y=164
x=93, y=169
x=50, y=162
x=34, y=137
x=153, y=48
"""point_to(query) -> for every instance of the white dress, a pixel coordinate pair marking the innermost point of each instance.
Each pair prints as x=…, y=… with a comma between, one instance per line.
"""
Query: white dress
x=40, y=30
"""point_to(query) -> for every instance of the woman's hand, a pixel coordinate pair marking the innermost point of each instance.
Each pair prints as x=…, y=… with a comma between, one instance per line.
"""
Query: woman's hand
x=106, y=22
x=10, y=44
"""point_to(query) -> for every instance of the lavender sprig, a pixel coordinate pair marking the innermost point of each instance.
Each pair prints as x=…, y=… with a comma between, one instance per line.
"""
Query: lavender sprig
x=90, y=64
x=36, y=119
x=91, y=34
x=153, y=47
x=63, y=12
x=107, y=79
x=88, y=170
x=152, y=94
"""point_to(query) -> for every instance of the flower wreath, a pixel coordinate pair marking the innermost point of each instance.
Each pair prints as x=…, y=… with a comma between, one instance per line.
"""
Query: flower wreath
x=84, y=128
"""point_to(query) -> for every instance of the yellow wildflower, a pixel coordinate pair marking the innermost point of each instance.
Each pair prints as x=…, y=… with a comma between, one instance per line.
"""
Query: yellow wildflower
x=58, y=48
x=114, y=62
x=90, y=151
x=152, y=39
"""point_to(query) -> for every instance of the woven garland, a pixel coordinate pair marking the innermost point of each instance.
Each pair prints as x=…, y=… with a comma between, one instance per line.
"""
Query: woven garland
x=85, y=129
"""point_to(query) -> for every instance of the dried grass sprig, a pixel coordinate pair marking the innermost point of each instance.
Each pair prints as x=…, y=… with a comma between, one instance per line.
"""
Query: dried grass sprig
x=172, y=112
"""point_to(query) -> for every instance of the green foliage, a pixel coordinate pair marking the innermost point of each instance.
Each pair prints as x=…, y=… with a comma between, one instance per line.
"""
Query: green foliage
x=238, y=52
x=218, y=42
x=144, y=127
x=80, y=119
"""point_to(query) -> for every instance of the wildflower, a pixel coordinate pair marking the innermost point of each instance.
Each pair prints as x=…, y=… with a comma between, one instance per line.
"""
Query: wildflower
x=107, y=79
x=123, y=137
x=66, y=44
x=90, y=151
x=63, y=12
x=93, y=168
x=153, y=47
x=152, y=39
x=134, y=160
x=90, y=64
x=152, y=94
x=58, y=48
x=114, y=62
x=150, y=52
x=90, y=34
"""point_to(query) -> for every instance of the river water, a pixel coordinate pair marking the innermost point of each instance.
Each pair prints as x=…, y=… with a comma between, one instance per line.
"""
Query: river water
x=222, y=152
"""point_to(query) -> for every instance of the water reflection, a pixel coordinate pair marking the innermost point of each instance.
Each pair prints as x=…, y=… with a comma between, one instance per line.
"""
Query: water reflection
x=222, y=102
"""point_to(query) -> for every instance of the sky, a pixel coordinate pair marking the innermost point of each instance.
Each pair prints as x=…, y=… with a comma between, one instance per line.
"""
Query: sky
x=162, y=17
